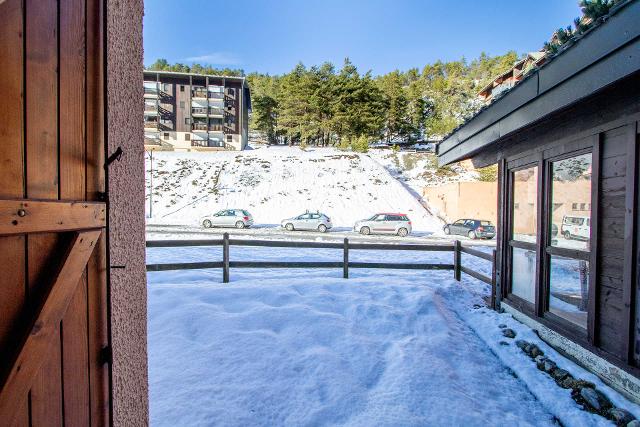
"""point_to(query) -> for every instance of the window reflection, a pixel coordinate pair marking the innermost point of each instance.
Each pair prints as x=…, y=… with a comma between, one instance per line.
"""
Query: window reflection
x=571, y=202
x=524, y=274
x=525, y=193
x=569, y=289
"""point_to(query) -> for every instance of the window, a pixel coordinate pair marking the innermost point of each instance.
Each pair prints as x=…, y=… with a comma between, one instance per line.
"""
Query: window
x=181, y=89
x=229, y=138
x=187, y=137
x=165, y=135
x=569, y=244
x=524, y=233
x=187, y=121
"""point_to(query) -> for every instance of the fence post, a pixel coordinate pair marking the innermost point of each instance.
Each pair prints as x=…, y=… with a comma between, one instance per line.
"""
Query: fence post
x=456, y=260
x=225, y=258
x=345, y=259
x=493, y=281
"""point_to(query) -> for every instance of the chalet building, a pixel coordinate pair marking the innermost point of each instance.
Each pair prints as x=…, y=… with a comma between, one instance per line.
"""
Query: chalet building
x=565, y=139
x=511, y=77
x=187, y=112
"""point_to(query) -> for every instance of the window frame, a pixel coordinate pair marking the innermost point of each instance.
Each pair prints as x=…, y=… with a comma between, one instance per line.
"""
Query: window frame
x=575, y=254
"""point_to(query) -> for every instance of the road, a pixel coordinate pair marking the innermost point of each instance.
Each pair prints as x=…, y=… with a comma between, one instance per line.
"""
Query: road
x=169, y=231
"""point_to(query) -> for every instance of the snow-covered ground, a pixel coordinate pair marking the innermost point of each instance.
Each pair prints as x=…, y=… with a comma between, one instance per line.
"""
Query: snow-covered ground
x=276, y=183
x=299, y=347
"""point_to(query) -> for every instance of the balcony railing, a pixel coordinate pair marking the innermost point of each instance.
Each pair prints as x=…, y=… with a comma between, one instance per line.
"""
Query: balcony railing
x=150, y=91
x=214, y=111
x=215, y=128
x=151, y=125
x=199, y=126
x=199, y=110
x=198, y=142
x=199, y=93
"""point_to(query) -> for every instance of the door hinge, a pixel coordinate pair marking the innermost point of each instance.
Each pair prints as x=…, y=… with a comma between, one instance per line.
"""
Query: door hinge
x=106, y=355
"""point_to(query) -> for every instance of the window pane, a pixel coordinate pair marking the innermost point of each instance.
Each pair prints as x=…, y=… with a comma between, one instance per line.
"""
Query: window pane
x=525, y=193
x=569, y=289
x=571, y=202
x=524, y=274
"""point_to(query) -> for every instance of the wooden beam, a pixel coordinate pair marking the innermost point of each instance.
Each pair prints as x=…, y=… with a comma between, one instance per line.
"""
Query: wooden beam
x=43, y=329
x=28, y=216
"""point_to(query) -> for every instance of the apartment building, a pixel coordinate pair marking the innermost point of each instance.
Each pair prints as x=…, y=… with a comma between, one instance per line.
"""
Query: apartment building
x=193, y=112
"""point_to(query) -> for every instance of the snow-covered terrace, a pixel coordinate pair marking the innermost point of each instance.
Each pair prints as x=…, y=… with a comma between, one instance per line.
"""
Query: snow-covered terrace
x=384, y=348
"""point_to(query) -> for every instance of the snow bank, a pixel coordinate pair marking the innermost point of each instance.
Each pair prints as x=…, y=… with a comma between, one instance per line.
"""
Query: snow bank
x=276, y=183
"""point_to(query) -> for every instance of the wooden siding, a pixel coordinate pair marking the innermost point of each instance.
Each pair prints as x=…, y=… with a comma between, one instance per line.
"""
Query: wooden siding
x=51, y=128
x=608, y=122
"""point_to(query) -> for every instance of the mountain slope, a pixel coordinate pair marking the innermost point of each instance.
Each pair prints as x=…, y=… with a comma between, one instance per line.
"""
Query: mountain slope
x=276, y=183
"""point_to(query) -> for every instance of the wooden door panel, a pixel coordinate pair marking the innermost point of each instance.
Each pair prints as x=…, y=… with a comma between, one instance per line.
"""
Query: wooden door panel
x=52, y=149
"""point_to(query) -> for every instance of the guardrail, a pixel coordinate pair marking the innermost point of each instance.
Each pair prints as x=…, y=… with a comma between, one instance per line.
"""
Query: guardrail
x=226, y=264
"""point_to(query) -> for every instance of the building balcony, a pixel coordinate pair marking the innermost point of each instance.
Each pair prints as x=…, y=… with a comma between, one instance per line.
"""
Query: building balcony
x=198, y=111
x=202, y=127
x=216, y=112
x=151, y=125
x=215, y=128
x=216, y=95
x=199, y=93
x=199, y=143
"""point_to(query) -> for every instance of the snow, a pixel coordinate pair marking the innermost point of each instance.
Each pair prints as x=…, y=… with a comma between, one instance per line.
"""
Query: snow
x=299, y=347
x=276, y=183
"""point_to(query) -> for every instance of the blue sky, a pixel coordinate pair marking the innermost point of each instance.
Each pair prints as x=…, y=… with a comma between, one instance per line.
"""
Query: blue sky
x=273, y=36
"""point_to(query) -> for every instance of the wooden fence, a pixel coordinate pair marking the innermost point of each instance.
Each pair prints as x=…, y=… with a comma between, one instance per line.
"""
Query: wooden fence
x=226, y=264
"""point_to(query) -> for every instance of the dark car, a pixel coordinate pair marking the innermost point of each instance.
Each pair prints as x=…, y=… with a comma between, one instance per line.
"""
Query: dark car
x=472, y=228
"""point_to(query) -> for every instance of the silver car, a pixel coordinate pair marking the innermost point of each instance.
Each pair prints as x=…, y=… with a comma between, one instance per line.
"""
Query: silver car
x=384, y=223
x=238, y=218
x=308, y=221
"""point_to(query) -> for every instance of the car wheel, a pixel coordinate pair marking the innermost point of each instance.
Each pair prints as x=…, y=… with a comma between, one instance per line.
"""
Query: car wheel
x=567, y=235
x=472, y=234
x=207, y=223
x=403, y=232
x=289, y=227
x=447, y=231
x=365, y=230
x=322, y=228
x=240, y=224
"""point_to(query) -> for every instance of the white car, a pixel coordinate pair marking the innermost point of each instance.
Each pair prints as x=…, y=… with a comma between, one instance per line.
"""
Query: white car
x=308, y=221
x=576, y=227
x=238, y=218
x=384, y=223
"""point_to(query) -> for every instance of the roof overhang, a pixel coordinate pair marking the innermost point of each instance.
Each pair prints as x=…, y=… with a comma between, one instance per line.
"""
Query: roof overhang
x=604, y=55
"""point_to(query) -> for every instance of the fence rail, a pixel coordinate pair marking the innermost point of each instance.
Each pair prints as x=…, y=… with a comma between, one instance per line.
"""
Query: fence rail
x=226, y=264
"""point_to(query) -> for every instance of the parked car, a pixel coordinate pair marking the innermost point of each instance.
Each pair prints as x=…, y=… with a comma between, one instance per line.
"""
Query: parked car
x=308, y=221
x=472, y=228
x=576, y=227
x=384, y=223
x=238, y=218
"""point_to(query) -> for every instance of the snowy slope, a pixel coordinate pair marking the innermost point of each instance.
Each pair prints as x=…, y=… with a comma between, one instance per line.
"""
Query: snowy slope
x=276, y=183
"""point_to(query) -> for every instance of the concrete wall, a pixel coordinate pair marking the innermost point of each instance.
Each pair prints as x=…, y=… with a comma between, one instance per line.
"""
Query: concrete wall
x=464, y=200
x=126, y=213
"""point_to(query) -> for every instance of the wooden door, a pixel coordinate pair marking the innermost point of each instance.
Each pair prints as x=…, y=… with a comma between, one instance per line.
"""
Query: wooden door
x=54, y=339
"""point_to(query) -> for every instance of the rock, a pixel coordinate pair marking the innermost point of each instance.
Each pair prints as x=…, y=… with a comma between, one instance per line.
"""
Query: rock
x=580, y=384
x=540, y=362
x=634, y=423
x=620, y=416
x=549, y=365
x=534, y=351
x=559, y=374
x=504, y=343
x=509, y=333
x=502, y=326
x=522, y=344
x=568, y=382
x=595, y=399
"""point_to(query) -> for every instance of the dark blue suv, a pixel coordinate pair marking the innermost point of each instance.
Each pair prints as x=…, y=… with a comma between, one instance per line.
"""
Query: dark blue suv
x=472, y=228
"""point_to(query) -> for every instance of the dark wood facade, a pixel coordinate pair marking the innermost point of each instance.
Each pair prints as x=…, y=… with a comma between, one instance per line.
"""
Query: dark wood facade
x=581, y=108
x=607, y=127
x=54, y=335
